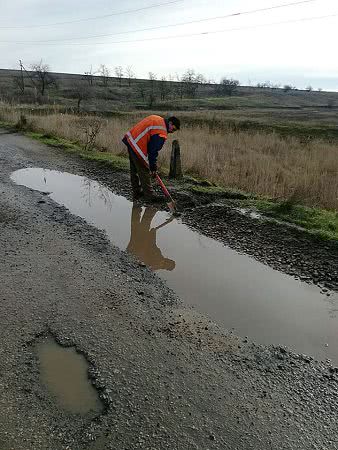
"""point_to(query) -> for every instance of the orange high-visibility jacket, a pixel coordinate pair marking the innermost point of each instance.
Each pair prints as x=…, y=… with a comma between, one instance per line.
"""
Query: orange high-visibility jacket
x=139, y=136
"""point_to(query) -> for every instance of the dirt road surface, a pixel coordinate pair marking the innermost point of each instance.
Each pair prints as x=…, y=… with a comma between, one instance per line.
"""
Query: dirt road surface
x=168, y=378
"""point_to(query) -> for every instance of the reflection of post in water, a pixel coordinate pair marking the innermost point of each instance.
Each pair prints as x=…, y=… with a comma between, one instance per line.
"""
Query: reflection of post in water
x=143, y=239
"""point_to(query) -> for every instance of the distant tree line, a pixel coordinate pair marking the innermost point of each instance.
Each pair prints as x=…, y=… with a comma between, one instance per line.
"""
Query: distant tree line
x=94, y=83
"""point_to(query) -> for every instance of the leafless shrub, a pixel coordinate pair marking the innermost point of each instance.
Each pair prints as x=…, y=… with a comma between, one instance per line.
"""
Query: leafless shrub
x=22, y=122
x=91, y=128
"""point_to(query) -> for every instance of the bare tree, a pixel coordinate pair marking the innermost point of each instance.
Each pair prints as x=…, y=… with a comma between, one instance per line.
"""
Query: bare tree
x=152, y=80
x=228, y=86
x=130, y=74
x=141, y=89
x=119, y=73
x=104, y=73
x=152, y=94
x=309, y=88
x=200, y=79
x=190, y=85
x=89, y=76
x=166, y=87
x=163, y=88
x=179, y=86
x=81, y=92
x=171, y=85
x=151, y=99
x=191, y=81
x=42, y=77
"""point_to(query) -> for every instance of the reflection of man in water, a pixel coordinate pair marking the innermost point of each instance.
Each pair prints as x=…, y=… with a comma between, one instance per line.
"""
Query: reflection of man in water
x=143, y=239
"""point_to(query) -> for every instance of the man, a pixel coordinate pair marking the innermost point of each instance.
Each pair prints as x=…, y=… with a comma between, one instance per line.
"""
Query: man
x=144, y=141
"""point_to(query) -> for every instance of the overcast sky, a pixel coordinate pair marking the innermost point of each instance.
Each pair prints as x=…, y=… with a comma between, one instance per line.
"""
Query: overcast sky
x=252, y=49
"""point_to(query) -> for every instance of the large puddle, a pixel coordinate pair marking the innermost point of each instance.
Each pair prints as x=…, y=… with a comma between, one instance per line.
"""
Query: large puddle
x=235, y=290
x=64, y=372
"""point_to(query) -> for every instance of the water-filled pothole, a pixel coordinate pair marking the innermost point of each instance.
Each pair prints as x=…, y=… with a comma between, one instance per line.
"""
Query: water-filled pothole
x=233, y=289
x=65, y=374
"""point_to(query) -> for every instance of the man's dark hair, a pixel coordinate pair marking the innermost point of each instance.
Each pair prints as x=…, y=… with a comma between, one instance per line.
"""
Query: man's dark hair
x=175, y=121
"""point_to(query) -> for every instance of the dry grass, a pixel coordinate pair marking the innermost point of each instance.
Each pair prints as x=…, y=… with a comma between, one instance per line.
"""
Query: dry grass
x=263, y=164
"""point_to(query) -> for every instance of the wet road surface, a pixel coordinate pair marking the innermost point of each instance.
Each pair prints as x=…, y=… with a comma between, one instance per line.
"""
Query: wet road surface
x=168, y=377
x=236, y=291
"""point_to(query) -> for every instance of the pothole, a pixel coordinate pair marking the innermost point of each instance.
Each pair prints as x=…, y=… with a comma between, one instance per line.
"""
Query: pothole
x=64, y=372
x=233, y=289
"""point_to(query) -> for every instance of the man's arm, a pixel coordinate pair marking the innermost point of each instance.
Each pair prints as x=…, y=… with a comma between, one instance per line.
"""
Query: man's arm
x=154, y=146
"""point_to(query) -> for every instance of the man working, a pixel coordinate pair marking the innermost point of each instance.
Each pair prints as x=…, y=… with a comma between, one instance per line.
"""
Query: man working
x=144, y=141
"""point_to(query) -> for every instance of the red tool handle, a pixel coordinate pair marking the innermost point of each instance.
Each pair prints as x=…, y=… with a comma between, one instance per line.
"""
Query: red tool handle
x=164, y=189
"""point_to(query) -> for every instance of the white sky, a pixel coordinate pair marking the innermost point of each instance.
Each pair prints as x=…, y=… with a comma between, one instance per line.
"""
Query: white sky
x=300, y=53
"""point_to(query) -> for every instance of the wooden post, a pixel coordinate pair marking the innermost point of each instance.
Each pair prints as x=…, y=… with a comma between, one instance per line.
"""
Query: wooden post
x=175, y=161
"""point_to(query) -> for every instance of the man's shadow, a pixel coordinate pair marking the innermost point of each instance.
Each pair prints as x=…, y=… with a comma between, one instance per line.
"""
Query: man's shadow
x=142, y=242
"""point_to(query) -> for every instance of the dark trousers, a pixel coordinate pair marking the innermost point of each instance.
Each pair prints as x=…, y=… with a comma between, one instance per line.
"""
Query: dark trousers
x=139, y=176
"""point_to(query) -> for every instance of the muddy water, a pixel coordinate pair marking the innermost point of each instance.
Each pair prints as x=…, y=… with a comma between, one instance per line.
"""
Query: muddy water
x=64, y=373
x=234, y=290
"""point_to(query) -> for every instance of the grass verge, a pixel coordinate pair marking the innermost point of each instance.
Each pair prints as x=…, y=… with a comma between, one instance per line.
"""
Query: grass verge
x=319, y=222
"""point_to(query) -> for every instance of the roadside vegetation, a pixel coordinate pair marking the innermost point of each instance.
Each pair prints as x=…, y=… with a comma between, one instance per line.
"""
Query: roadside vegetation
x=263, y=164
x=282, y=154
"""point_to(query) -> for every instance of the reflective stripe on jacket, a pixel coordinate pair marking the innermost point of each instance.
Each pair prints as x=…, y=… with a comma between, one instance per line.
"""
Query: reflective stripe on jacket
x=139, y=136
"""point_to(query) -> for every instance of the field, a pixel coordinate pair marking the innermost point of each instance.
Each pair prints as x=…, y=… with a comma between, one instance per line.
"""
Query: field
x=270, y=143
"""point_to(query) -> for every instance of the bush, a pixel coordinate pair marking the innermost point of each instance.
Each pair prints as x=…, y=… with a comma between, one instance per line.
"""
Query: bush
x=22, y=123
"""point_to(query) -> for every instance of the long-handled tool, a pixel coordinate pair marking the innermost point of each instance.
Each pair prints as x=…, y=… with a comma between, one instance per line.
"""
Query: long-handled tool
x=171, y=204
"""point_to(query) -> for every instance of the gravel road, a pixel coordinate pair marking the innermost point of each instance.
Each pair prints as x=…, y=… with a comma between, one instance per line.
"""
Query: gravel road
x=168, y=377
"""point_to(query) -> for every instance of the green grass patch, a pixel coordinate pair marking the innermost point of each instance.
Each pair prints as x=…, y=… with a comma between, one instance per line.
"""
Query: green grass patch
x=54, y=141
x=217, y=191
x=116, y=162
x=6, y=125
x=320, y=222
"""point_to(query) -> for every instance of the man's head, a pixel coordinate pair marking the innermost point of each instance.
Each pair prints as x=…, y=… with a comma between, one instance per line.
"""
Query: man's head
x=174, y=124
